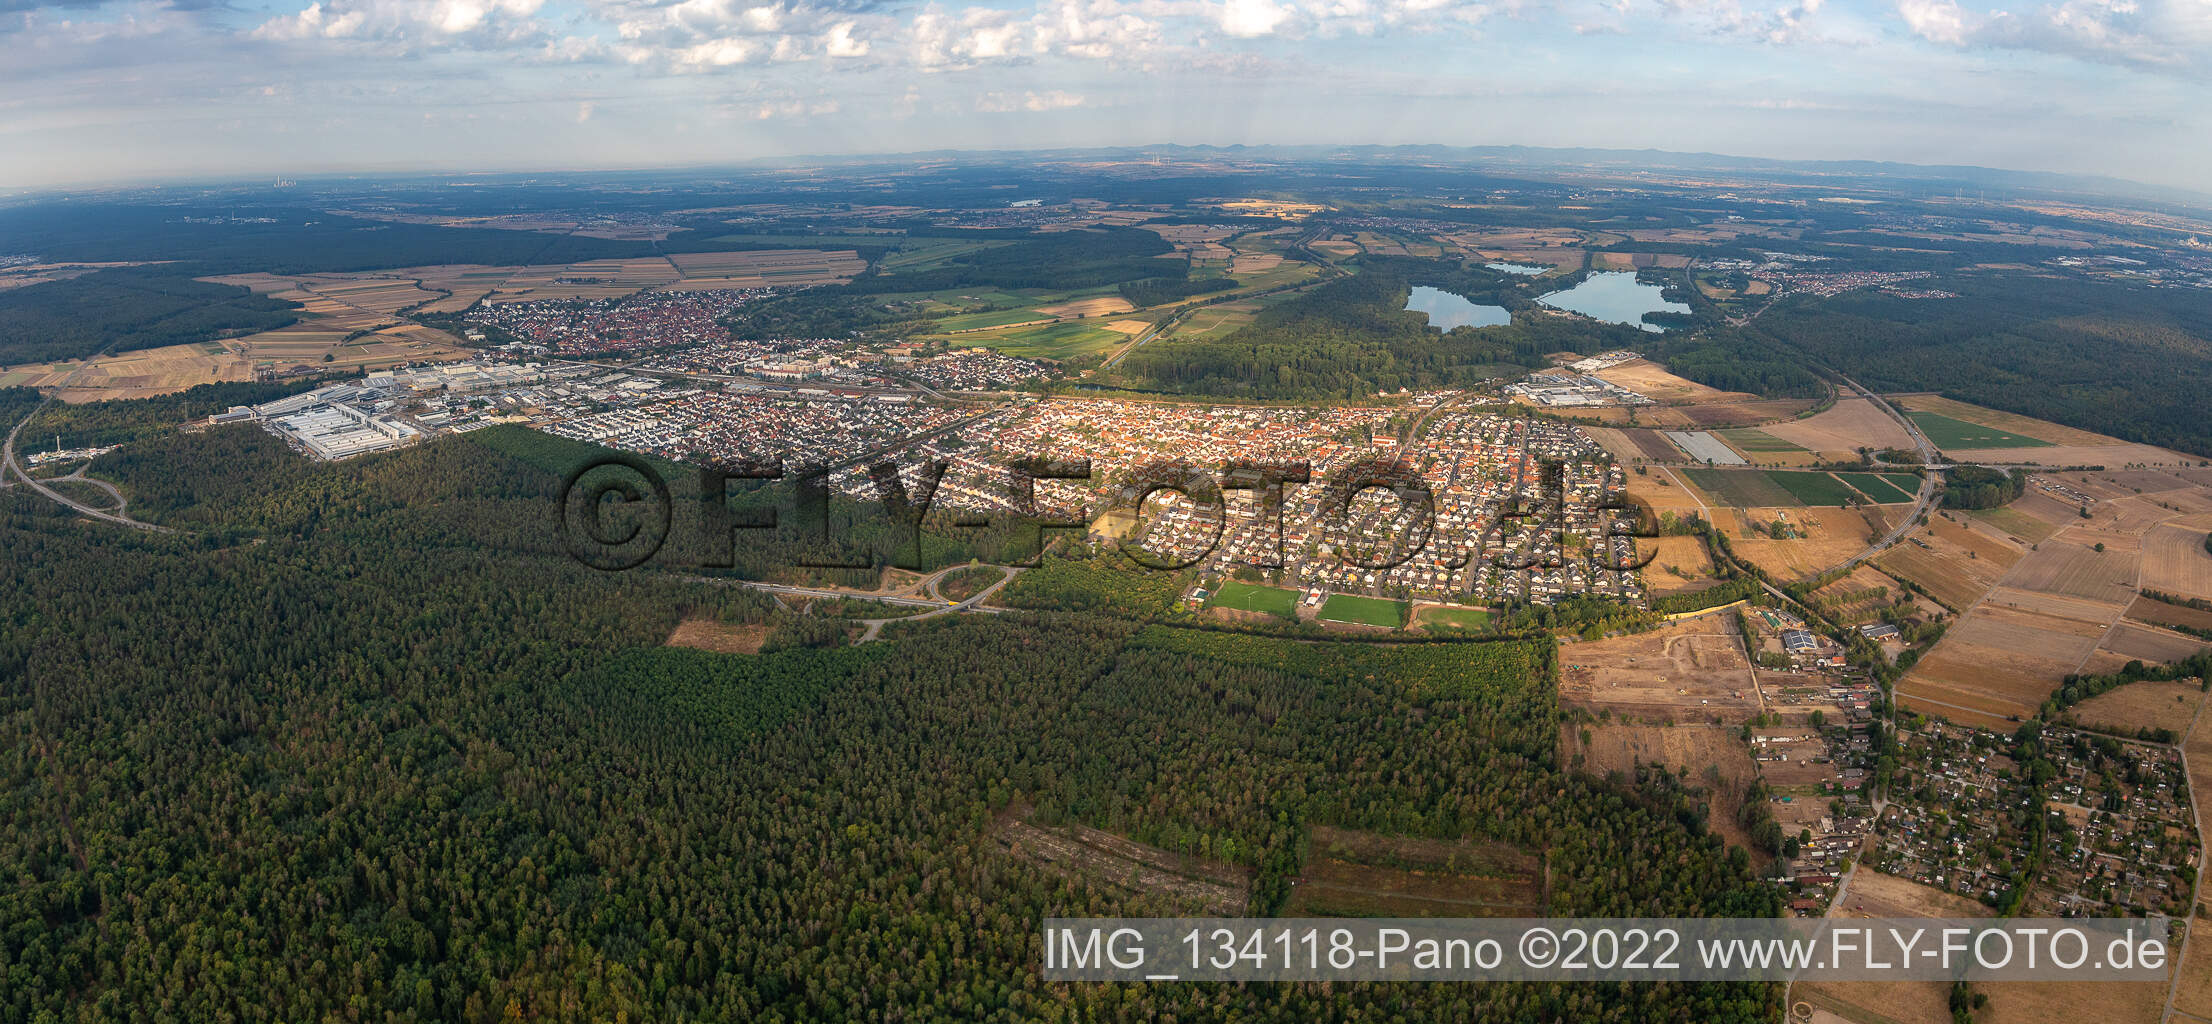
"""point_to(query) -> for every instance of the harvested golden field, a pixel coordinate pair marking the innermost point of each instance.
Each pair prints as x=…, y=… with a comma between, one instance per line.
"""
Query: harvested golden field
x=1678, y=565
x=140, y=374
x=1664, y=492
x=2002, y=659
x=1831, y=537
x=1876, y=1002
x=1101, y=306
x=1838, y=432
x=2040, y=1002
x=1744, y=413
x=2174, y=559
x=1131, y=328
x=1876, y=895
x=2152, y=704
x=2061, y=566
x=1654, y=382
x=2149, y=645
x=1692, y=671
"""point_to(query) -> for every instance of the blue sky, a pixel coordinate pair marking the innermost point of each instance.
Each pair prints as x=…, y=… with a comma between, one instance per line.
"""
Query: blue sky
x=95, y=91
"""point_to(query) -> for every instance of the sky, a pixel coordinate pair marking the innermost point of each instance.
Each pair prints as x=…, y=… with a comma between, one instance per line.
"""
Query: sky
x=106, y=91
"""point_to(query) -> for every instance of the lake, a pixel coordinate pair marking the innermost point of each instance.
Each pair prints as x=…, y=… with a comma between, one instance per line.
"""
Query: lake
x=1447, y=310
x=1616, y=298
x=1517, y=268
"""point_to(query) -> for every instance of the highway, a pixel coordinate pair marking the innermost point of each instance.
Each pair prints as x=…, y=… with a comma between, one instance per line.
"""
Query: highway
x=9, y=464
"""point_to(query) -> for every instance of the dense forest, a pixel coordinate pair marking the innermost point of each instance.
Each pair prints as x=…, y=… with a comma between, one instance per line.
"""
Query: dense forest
x=128, y=308
x=371, y=746
x=1353, y=337
x=1975, y=487
x=2133, y=362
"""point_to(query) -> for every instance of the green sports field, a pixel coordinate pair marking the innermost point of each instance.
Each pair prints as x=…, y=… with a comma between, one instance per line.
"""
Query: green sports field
x=1886, y=488
x=1251, y=597
x=1456, y=618
x=1945, y=432
x=1368, y=611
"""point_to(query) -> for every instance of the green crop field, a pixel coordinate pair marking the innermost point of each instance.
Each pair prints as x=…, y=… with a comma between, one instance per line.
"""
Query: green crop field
x=1370, y=611
x=1814, y=488
x=1743, y=488
x=1045, y=341
x=1945, y=432
x=994, y=318
x=1249, y=597
x=1747, y=439
x=1886, y=488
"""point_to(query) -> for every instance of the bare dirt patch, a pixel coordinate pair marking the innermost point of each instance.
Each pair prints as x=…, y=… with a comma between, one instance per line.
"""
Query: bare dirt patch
x=1692, y=671
x=720, y=637
x=1203, y=886
x=1367, y=874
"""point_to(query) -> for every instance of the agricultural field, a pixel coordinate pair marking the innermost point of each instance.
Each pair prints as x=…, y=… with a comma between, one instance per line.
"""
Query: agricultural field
x=1741, y=488
x=2020, y=524
x=1818, y=489
x=1365, y=611
x=1690, y=671
x=2174, y=558
x=1956, y=563
x=1989, y=436
x=1949, y=434
x=2156, y=704
x=1654, y=382
x=1678, y=565
x=138, y=374
x=1055, y=341
x=1825, y=537
x=1858, y=594
x=1249, y=597
x=1758, y=445
x=771, y=268
x=1884, y=488
x=2005, y=656
x=1876, y=895
x=1365, y=874
x=1839, y=431
x=2159, y=613
x=987, y=320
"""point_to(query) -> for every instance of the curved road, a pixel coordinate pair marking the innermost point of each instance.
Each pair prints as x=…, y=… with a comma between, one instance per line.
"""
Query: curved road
x=9, y=464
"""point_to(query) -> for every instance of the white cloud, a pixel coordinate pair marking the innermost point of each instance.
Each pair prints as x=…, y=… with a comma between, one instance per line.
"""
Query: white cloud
x=1247, y=19
x=2173, y=36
